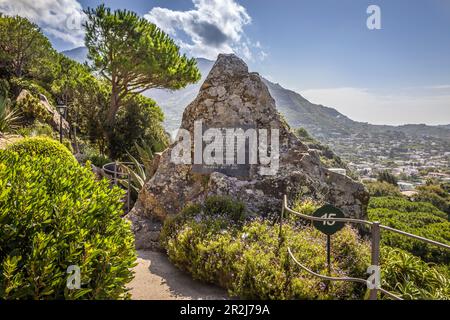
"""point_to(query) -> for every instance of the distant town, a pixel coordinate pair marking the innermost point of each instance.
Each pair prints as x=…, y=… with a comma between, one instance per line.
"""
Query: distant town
x=412, y=160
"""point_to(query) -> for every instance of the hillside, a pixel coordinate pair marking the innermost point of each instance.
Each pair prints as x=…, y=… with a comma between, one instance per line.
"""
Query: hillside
x=78, y=54
x=322, y=122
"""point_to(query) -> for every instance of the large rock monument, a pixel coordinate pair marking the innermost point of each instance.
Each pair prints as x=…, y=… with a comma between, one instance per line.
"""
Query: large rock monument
x=232, y=98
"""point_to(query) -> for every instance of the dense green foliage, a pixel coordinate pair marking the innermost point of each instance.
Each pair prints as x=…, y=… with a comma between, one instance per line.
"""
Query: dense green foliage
x=133, y=55
x=386, y=176
x=54, y=214
x=9, y=117
x=139, y=121
x=411, y=278
x=404, y=205
x=422, y=219
x=435, y=194
x=24, y=50
x=216, y=242
x=41, y=147
x=32, y=110
x=383, y=189
x=39, y=69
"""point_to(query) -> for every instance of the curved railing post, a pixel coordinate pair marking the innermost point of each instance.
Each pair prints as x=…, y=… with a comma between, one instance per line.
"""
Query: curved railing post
x=375, y=252
x=375, y=255
x=283, y=205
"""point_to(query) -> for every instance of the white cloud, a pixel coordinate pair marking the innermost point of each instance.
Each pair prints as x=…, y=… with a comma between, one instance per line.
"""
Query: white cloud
x=213, y=27
x=380, y=108
x=263, y=55
x=61, y=19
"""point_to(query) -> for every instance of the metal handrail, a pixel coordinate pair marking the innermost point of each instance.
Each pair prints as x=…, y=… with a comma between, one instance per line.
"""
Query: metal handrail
x=349, y=279
x=375, y=226
x=328, y=219
x=364, y=281
x=440, y=244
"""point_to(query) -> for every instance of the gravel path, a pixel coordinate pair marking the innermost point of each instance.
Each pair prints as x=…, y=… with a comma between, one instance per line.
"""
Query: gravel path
x=157, y=279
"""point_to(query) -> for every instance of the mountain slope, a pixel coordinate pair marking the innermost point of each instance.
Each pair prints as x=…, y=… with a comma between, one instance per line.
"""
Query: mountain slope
x=174, y=102
x=322, y=122
x=78, y=54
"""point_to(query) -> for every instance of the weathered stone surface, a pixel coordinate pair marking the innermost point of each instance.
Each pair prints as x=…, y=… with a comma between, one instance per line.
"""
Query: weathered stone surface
x=7, y=139
x=232, y=97
x=54, y=116
x=146, y=232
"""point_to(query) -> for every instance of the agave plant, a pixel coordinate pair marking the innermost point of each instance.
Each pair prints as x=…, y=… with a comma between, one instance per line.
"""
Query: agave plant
x=138, y=171
x=411, y=278
x=9, y=118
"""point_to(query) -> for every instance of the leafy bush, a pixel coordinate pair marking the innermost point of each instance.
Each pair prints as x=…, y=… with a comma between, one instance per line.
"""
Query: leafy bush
x=9, y=118
x=436, y=195
x=411, y=278
x=37, y=129
x=98, y=160
x=388, y=177
x=421, y=219
x=404, y=205
x=247, y=258
x=54, y=214
x=41, y=147
x=383, y=189
x=217, y=206
x=140, y=120
x=32, y=86
x=32, y=109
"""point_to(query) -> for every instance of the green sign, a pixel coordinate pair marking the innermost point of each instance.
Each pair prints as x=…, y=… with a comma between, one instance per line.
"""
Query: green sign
x=328, y=227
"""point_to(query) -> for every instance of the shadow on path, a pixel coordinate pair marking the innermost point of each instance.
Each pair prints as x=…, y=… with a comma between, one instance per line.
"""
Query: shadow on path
x=157, y=279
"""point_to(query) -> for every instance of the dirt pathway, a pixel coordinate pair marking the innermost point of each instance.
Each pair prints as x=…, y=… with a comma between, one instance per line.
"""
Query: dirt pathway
x=157, y=279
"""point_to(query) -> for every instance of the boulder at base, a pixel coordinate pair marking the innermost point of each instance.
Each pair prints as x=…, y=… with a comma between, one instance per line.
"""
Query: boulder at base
x=231, y=97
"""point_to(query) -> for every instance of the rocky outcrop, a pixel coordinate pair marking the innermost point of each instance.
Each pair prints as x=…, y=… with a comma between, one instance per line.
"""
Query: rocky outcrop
x=7, y=139
x=53, y=115
x=232, y=97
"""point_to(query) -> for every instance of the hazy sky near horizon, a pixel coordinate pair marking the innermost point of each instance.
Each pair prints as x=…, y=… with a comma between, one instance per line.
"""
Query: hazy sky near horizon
x=319, y=48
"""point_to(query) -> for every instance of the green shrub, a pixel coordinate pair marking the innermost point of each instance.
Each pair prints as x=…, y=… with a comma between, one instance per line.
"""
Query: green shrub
x=436, y=195
x=19, y=84
x=306, y=206
x=41, y=147
x=224, y=206
x=383, y=189
x=53, y=214
x=411, y=278
x=32, y=110
x=248, y=259
x=404, y=205
x=422, y=219
x=37, y=129
x=99, y=160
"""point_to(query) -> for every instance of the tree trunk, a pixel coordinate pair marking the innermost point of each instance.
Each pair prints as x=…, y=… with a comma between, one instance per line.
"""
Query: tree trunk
x=111, y=117
x=113, y=108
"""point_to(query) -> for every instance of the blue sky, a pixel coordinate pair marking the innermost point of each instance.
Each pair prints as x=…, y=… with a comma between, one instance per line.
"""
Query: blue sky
x=319, y=48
